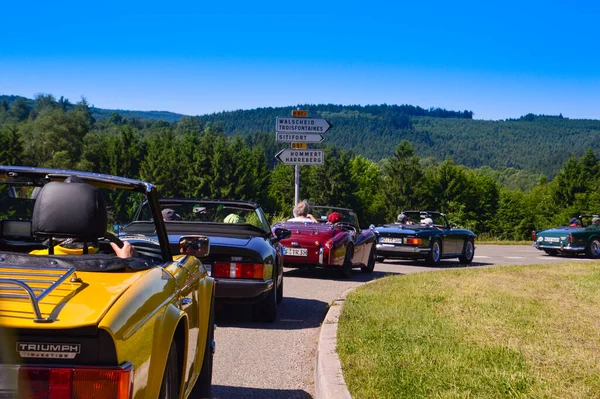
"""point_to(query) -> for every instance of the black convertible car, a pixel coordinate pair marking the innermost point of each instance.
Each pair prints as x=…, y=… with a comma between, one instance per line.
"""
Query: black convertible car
x=245, y=257
x=424, y=235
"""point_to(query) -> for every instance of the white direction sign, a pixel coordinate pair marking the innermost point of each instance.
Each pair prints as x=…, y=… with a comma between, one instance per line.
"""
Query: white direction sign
x=298, y=138
x=301, y=125
x=291, y=156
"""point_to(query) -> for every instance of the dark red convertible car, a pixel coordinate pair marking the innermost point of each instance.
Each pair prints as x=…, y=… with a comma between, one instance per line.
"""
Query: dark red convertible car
x=342, y=245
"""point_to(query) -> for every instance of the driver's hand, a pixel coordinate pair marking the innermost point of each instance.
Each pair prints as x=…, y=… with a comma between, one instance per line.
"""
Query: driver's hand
x=127, y=251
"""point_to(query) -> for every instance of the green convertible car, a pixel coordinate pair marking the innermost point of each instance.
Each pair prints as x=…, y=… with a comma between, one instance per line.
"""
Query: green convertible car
x=580, y=237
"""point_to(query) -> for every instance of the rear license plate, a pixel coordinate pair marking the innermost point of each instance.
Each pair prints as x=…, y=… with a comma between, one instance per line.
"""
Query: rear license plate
x=391, y=240
x=296, y=251
x=551, y=239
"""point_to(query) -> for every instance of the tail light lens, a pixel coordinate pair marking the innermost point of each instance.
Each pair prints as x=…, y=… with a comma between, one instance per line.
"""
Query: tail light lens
x=533, y=235
x=74, y=382
x=570, y=237
x=414, y=241
x=238, y=270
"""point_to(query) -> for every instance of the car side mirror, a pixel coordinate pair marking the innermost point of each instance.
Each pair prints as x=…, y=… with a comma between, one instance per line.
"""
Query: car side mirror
x=198, y=246
x=371, y=227
x=281, y=234
x=453, y=226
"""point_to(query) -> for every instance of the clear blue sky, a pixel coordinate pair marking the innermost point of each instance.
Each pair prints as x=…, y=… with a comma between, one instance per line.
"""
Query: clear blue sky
x=500, y=61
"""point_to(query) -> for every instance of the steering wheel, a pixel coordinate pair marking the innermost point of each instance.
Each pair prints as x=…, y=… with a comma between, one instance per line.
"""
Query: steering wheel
x=346, y=226
x=113, y=238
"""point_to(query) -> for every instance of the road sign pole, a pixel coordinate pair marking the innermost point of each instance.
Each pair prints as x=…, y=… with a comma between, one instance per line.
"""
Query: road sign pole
x=297, y=184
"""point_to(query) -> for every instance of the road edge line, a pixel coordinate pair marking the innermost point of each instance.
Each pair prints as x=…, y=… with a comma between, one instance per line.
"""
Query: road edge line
x=329, y=379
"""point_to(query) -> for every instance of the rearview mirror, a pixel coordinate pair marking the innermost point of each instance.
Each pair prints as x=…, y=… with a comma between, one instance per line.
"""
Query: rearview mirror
x=198, y=246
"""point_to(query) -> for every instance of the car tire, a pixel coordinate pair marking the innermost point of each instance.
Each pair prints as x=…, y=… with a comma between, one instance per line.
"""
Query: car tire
x=371, y=262
x=169, y=388
x=346, y=268
x=266, y=309
x=468, y=253
x=435, y=255
x=203, y=387
x=280, y=291
x=593, y=249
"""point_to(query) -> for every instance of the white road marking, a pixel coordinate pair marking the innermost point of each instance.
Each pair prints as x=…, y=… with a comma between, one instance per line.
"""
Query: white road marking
x=482, y=256
x=514, y=257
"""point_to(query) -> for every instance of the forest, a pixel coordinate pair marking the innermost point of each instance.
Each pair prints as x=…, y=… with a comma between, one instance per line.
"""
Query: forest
x=202, y=157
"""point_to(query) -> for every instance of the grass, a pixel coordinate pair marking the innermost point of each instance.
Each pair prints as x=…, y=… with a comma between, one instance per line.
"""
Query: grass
x=492, y=241
x=502, y=332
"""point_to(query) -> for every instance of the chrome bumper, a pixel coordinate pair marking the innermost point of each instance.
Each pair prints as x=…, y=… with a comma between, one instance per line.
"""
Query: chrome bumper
x=401, y=248
x=562, y=247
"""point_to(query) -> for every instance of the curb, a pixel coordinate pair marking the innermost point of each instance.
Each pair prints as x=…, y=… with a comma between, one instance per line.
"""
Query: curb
x=329, y=380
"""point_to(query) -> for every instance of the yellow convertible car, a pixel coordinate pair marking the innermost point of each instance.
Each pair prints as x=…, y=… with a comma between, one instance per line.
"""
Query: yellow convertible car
x=78, y=321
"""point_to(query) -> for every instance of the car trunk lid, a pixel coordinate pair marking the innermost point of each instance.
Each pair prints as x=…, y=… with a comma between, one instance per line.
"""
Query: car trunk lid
x=57, y=298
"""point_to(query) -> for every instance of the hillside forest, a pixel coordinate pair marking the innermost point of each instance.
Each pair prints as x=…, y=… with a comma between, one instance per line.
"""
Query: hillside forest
x=203, y=157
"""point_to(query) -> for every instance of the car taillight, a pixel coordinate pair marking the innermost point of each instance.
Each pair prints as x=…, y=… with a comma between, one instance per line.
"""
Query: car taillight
x=74, y=382
x=414, y=241
x=533, y=235
x=570, y=238
x=238, y=270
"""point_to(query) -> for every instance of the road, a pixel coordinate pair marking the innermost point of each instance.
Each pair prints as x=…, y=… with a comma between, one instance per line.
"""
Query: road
x=258, y=360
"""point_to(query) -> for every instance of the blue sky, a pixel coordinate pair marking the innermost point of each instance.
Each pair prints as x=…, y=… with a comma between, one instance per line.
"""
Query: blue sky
x=499, y=60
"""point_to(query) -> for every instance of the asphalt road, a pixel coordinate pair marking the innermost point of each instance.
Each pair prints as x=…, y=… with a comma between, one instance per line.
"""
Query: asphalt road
x=276, y=360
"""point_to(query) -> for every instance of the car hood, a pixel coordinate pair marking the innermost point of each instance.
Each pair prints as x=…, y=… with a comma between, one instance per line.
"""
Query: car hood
x=396, y=230
x=217, y=241
x=561, y=230
x=308, y=230
x=71, y=304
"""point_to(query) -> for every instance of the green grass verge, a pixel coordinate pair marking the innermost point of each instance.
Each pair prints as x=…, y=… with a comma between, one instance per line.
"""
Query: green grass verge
x=502, y=332
x=502, y=242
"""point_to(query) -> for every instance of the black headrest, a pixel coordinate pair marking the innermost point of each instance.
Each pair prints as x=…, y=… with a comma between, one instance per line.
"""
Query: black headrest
x=69, y=210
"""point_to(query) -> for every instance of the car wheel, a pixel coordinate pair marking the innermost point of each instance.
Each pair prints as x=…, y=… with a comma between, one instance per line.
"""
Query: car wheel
x=266, y=309
x=435, y=255
x=371, y=262
x=280, y=291
x=169, y=388
x=593, y=249
x=347, y=266
x=203, y=387
x=468, y=253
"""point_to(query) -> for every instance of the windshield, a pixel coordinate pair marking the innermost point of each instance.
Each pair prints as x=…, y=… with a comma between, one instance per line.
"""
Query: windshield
x=321, y=213
x=438, y=219
x=17, y=201
x=209, y=212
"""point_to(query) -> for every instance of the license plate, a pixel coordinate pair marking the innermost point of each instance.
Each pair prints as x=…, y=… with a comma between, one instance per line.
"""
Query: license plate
x=391, y=240
x=551, y=239
x=296, y=251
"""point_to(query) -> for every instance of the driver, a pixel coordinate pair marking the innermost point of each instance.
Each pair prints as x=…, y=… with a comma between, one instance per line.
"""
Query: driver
x=301, y=213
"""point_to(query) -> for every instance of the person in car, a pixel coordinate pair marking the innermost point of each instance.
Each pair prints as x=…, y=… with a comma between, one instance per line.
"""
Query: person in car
x=301, y=213
x=333, y=218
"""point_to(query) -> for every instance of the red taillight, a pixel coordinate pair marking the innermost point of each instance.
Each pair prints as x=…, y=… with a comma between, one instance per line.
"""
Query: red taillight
x=238, y=270
x=414, y=241
x=570, y=238
x=533, y=235
x=76, y=382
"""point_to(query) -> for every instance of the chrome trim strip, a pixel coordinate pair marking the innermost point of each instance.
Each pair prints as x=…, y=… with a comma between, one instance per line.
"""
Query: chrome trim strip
x=401, y=248
x=321, y=255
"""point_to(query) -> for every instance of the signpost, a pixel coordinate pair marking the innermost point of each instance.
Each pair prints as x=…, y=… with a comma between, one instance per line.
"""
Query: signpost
x=290, y=156
x=301, y=125
x=299, y=138
x=298, y=131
